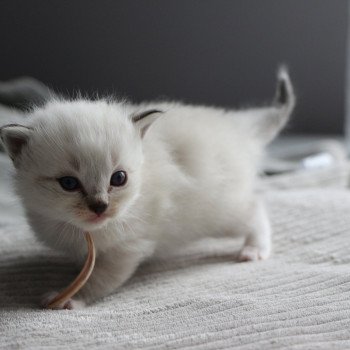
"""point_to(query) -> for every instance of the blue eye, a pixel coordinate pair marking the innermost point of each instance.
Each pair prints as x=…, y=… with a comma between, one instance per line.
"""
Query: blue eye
x=119, y=178
x=69, y=183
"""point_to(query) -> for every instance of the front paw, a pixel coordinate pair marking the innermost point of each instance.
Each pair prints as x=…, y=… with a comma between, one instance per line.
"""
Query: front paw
x=70, y=304
x=251, y=253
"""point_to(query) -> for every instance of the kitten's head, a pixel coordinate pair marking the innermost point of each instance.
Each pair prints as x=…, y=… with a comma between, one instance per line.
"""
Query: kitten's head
x=78, y=162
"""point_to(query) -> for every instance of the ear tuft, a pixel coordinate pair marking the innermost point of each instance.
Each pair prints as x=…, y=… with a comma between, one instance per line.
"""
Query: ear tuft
x=14, y=138
x=144, y=119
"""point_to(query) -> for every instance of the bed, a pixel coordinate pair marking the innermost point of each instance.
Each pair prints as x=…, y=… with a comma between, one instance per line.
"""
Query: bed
x=200, y=298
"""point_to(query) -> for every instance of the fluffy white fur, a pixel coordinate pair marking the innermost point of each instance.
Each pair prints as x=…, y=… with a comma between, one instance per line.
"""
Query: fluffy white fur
x=191, y=171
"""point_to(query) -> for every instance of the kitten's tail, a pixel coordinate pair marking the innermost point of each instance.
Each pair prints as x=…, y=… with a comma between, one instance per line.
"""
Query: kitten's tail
x=285, y=97
x=269, y=121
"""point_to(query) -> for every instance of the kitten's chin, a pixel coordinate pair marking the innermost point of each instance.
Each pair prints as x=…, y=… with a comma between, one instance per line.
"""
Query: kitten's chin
x=93, y=225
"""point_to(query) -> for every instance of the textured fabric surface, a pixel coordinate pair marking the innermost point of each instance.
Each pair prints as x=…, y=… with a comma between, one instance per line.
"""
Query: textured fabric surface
x=201, y=298
x=336, y=176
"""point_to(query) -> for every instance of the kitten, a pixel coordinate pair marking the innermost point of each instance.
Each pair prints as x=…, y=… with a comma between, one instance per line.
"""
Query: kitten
x=143, y=179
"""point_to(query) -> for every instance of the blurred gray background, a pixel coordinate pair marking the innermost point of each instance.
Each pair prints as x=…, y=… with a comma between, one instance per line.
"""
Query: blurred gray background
x=217, y=52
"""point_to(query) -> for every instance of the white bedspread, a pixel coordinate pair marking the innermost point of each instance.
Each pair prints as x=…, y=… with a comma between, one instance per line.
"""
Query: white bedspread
x=202, y=299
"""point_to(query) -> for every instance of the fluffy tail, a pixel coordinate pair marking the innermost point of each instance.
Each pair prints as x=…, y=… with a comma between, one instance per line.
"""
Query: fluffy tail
x=269, y=121
x=285, y=97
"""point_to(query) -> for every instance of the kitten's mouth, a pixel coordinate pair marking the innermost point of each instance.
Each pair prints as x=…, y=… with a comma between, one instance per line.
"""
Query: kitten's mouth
x=97, y=219
x=90, y=221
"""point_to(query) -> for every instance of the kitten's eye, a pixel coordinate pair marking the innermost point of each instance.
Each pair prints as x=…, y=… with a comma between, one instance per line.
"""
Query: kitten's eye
x=118, y=178
x=69, y=183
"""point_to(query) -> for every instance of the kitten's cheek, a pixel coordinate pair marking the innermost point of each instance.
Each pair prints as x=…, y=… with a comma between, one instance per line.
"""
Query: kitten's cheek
x=113, y=211
x=80, y=214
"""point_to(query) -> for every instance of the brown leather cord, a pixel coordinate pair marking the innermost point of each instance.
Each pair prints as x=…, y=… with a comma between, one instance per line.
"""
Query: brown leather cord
x=81, y=279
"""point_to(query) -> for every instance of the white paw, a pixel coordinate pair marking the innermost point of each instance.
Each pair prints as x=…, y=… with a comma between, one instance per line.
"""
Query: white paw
x=251, y=253
x=70, y=304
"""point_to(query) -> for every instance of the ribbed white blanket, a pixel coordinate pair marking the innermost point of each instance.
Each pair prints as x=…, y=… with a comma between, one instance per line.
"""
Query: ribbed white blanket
x=201, y=299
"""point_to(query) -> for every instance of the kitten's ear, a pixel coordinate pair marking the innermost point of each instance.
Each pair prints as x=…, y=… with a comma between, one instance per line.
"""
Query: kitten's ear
x=143, y=120
x=14, y=137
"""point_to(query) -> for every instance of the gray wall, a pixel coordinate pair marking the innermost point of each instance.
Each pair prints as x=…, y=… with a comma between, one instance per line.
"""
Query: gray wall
x=218, y=52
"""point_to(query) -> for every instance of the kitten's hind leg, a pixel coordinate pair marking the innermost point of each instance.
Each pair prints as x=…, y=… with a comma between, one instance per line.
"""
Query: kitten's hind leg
x=257, y=245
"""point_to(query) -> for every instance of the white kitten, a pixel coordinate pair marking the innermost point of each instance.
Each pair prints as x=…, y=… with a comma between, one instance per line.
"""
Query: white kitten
x=142, y=190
